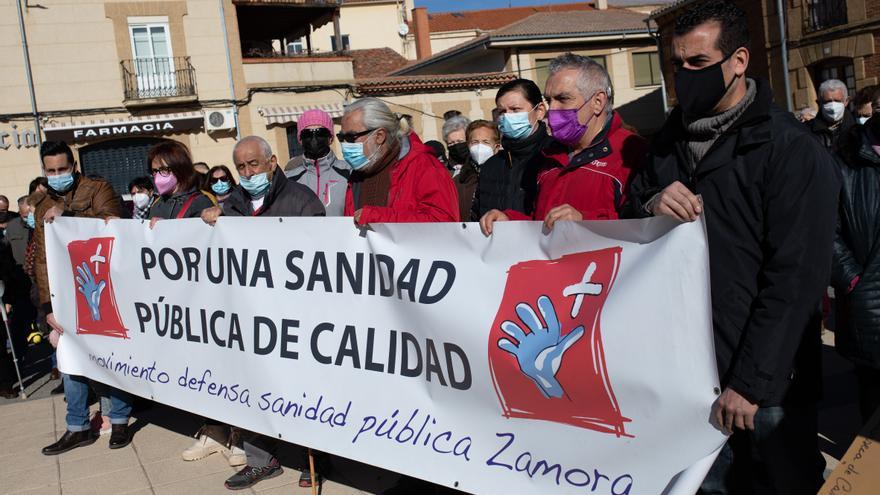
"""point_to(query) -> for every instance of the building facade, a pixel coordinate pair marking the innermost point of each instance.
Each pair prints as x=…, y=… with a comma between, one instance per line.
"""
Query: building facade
x=826, y=39
x=114, y=77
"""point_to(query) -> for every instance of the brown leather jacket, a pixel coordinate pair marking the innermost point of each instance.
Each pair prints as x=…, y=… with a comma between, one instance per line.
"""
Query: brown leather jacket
x=88, y=198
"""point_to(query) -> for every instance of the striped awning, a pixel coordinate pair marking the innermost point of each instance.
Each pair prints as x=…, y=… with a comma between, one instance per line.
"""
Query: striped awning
x=287, y=114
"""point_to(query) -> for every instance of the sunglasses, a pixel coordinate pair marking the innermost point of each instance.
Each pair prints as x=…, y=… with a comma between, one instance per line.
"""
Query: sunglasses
x=319, y=132
x=350, y=137
x=214, y=180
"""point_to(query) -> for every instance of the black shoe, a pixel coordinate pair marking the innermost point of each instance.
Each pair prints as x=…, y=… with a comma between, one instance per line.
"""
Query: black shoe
x=69, y=441
x=250, y=476
x=7, y=391
x=119, y=436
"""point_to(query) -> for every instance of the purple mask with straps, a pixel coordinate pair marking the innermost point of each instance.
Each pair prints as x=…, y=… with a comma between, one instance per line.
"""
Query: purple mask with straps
x=565, y=125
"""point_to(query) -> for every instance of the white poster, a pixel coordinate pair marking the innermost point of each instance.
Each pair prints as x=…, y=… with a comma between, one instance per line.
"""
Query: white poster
x=579, y=361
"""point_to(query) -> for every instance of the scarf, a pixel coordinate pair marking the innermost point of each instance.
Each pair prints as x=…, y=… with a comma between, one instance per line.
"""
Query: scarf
x=374, y=184
x=703, y=132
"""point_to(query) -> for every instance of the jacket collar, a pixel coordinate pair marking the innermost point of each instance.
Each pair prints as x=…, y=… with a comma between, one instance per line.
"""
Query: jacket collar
x=240, y=200
x=324, y=164
x=601, y=145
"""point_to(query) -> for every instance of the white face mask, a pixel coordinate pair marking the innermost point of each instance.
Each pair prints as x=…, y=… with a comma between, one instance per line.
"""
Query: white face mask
x=862, y=120
x=141, y=200
x=833, y=111
x=481, y=152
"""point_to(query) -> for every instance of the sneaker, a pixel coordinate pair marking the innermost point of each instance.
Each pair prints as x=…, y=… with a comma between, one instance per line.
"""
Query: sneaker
x=237, y=456
x=250, y=476
x=203, y=447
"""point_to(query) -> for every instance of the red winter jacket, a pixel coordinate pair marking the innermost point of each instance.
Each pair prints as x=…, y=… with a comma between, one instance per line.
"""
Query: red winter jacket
x=595, y=181
x=421, y=191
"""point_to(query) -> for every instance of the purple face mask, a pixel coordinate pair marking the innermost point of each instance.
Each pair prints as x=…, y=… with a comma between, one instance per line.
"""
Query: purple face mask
x=565, y=125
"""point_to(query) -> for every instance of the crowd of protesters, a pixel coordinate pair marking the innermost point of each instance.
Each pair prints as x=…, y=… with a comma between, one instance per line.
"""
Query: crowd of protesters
x=790, y=207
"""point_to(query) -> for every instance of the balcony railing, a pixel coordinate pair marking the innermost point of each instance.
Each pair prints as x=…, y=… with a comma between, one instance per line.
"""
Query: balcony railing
x=160, y=77
x=825, y=14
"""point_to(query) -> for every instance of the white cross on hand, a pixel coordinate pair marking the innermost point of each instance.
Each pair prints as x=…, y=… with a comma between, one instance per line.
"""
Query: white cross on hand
x=584, y=288
x=97, y=258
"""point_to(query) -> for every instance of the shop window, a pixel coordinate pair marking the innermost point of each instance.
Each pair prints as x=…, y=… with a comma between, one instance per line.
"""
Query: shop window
x=646, y=69
x=117, y=161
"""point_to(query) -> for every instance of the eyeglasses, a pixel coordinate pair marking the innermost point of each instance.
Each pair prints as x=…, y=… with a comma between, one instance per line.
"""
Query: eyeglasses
x=214, y=180
x=318, y=132
x=350, y=137
x=164, y=171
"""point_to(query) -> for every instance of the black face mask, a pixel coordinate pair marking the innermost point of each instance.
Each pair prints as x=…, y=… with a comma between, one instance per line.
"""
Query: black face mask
x=315, y=147
x=700, y=90
x=459, y=153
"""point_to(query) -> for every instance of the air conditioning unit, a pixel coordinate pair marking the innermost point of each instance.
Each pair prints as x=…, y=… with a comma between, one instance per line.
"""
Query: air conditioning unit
x=220, y=119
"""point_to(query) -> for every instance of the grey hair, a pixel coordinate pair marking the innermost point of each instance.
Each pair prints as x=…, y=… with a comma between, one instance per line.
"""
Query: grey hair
x=376, y=115
x=264, y=145
x=833, y=85
x=453, y=124
x=592, y=78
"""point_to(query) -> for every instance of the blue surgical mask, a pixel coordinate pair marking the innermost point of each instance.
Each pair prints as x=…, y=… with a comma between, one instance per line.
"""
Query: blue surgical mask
x=30, y=221
x=220, y=187
x=353, y=153
x=257, y=185
x=862, y=120
x=515, y=125
x=60, y=183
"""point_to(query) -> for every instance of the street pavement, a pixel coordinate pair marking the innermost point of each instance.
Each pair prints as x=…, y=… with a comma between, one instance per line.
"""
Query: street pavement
x=152, y=463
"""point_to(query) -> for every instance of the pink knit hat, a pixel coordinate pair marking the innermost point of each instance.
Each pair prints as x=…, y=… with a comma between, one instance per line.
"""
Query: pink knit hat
x=315, y=117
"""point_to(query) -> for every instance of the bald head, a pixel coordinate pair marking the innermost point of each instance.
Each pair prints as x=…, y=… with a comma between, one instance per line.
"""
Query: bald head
x=252, y=155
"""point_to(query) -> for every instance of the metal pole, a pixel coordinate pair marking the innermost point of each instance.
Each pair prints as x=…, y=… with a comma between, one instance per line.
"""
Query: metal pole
x=229, y=67
x=27, y=70
x=783, y=44
x=663, y=95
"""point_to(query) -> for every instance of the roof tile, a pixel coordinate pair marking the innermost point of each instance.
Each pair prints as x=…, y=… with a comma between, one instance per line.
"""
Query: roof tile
x=375, y=62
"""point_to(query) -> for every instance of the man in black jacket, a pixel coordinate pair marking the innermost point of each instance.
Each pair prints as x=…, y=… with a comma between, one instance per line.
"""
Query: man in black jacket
x=769, y=192
x=855, y=272
x=264, y=191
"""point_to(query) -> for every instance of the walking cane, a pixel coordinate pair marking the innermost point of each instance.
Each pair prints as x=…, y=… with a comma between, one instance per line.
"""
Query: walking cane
x=11, y=342
x=312, y=473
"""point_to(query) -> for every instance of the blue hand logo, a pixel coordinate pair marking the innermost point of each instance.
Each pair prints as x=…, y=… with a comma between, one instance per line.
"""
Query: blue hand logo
x=87, y=287
x=539, y=353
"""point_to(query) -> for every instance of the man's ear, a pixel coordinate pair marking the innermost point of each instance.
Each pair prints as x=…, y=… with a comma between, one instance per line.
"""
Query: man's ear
x=740, y=61
x=384, y=135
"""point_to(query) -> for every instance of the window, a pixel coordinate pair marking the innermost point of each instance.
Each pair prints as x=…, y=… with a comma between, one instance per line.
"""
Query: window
x=345, y=43
x=646, y=69
x=824, y=14
x=542, y=69
x=293, y=144
x=153, y=60
x=295, y=47
x=835, y=68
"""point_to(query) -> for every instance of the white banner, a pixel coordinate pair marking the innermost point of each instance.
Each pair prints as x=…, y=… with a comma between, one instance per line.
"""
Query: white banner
x=576, y=362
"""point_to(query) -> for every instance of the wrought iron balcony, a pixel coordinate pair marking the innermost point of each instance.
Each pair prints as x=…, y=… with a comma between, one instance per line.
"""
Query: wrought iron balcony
x=160, y=77
x=825, y=14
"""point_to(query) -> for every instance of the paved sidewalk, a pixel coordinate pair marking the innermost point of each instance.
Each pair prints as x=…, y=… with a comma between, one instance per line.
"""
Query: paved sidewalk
x=150, y=465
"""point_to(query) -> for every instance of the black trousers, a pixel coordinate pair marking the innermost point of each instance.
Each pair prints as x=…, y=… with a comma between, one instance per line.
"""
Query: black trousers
x=869, y=390
x=781, y=457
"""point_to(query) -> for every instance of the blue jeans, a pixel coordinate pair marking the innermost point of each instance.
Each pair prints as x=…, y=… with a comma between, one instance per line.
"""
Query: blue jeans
x=780, y=457
x=76, y=391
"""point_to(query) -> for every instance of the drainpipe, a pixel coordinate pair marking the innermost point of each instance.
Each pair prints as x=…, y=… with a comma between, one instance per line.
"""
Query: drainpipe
x=229, y=67
x=783, y=44
x=27, y=70
x=663, y=94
